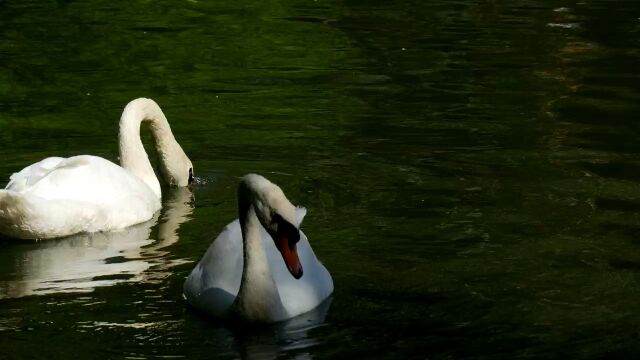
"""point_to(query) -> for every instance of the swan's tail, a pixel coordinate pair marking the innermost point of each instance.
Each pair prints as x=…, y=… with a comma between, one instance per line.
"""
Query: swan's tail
x=30, y=217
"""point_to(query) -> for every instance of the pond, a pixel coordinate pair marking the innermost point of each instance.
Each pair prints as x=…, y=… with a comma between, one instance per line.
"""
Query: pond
x=471, y=172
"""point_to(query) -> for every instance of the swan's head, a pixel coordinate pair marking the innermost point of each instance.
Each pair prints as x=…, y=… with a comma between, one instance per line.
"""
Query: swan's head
x=275, y=212
x=176, y=167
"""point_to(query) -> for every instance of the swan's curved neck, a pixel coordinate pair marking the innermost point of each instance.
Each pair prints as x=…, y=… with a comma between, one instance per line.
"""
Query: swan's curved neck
x=133, y=157
x=258, y=298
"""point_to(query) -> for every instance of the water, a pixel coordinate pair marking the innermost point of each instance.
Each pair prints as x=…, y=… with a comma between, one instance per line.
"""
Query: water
x=470, y=169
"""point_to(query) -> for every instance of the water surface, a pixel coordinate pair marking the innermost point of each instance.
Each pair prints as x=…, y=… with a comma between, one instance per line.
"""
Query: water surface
x=470, y=170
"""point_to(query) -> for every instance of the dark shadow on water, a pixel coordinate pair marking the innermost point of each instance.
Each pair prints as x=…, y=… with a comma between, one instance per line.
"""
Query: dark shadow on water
x=617, y=204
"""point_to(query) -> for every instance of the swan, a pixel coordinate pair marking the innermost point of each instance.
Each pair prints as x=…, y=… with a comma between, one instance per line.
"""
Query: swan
x=243, y=274
x=58, y=197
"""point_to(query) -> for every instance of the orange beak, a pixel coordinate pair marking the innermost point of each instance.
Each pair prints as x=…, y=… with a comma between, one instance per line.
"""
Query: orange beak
x=289, y=255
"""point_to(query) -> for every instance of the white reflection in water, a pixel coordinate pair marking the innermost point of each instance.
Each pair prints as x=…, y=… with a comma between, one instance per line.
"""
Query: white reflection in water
x=83, y=262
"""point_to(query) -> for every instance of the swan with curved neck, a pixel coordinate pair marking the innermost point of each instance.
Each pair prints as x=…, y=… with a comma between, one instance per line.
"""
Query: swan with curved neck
x=174, y=163
x=58, y=197
x=261, y=267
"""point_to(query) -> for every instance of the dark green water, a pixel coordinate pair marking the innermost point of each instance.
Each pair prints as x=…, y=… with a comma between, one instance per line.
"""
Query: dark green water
x=471, y=171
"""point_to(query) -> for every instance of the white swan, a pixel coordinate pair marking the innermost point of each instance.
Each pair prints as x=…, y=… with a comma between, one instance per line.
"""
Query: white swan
x=63, y=196
x=243, y=274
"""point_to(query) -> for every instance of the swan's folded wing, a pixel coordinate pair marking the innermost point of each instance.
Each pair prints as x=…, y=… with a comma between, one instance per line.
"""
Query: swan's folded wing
x=89, y=179
x=30, y=175
x=221, y=265
x=214, y=283
x=58, y=197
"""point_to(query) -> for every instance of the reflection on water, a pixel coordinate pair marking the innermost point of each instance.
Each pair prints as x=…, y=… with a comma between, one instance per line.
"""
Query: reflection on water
x=253, y=341
x=81, y=263
x=291, y=335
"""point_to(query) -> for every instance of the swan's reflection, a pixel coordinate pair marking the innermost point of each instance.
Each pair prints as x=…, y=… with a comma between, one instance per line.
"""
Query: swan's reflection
x=291, y=335
x=85, y=261
x=267, y=341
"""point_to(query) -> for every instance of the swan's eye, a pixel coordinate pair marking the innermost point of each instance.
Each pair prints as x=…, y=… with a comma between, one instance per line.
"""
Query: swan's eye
x=285, y=229
x=285, y=236
x=190, y=176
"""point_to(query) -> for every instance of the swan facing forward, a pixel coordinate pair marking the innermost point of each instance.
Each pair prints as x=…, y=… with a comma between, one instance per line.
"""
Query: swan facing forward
x=58, y=197
x=261, y=267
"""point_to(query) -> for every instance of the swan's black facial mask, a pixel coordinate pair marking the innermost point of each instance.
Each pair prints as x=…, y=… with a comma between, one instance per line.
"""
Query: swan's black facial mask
x=190, y=181
x=286, y=236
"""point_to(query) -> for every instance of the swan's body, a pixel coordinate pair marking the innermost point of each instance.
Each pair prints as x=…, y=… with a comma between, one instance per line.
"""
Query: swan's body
x=243, y=273
x=63, y=196
x=58, y=197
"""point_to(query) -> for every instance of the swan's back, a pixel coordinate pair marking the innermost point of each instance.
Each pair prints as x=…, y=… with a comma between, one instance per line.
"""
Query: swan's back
x=58, y=197
x=30, y=175
x=85, y=178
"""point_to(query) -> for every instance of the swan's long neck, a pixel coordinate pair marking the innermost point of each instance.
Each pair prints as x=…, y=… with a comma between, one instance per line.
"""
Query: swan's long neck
x=133, y=157
x=258, y=298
